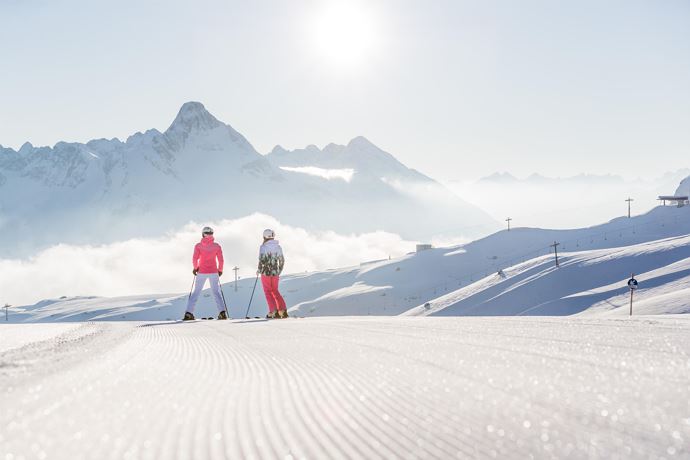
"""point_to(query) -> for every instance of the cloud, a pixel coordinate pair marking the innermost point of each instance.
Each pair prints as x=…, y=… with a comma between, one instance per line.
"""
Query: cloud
x=343, y=174
x=163, y=265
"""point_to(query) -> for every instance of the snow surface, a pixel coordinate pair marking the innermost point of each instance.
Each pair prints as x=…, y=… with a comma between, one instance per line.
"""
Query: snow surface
x=398, y=285
x=586, y=282
x=353, y=388
x=16, y=336
x=684, y=187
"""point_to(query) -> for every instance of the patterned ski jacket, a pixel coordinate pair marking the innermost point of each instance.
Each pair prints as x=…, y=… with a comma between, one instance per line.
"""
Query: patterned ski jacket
x=271, y=258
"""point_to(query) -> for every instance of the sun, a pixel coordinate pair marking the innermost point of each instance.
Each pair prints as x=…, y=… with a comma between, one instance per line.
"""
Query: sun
x=344, y=34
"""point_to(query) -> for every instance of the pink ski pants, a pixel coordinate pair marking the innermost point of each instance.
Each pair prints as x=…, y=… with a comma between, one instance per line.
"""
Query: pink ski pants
x=273, y=298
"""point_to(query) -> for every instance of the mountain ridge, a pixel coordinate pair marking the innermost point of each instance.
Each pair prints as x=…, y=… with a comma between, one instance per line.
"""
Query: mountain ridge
x=202, y=169
x=537, y=178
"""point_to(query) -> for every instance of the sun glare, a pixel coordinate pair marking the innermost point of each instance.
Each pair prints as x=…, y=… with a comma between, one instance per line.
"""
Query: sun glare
x=344, y=34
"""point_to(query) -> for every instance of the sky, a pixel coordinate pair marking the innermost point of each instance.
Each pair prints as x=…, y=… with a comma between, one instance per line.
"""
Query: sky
x=455, y=89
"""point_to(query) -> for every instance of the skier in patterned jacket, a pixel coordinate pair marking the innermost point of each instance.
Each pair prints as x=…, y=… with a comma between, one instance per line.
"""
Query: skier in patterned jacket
x=271, y=263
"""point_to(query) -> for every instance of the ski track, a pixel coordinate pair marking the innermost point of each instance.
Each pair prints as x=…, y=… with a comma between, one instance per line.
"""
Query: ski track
x=352, y=388
x=16, y=336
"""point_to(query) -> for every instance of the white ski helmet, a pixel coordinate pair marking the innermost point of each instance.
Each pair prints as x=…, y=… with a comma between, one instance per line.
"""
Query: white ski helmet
x=268, y=233
x=207, y=231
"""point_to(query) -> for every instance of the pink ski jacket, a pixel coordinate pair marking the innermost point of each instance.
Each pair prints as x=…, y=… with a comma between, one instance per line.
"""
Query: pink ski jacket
x=205, y=255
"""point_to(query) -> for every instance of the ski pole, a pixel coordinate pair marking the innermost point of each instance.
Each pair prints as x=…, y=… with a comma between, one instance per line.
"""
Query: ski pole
x=223, y=295
x=191, y=288
x=246, y=315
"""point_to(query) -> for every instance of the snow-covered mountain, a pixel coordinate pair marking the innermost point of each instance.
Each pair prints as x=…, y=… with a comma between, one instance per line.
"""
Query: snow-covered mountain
x=506, y=178
x=365, y=159
x=684, y=187
x=202, y=169
x=661, y=184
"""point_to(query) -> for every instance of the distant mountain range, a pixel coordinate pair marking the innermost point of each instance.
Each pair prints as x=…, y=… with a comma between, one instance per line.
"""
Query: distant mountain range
x=500, y=178
x=507, y=178
x=202, y=169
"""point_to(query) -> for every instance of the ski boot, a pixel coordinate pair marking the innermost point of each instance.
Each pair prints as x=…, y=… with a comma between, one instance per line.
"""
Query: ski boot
x=223, y=315
x=272, y=315
x=283, y=314
x=188, y=316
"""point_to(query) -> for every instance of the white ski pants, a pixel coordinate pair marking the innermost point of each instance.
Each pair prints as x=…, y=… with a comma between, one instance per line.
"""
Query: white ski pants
x=199, y=283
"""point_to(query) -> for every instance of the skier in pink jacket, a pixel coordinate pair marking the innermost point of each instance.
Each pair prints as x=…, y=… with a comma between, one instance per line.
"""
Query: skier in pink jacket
x=207, y=263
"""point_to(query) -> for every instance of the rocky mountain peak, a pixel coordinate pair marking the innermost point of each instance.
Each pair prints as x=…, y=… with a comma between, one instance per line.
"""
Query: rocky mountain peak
x=361, y=142
x=194, y=116
x=26, y=148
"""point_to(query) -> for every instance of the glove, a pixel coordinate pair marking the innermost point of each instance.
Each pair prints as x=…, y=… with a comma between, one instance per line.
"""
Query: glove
x=220, y=273
x=258, y=272
x=195, y=271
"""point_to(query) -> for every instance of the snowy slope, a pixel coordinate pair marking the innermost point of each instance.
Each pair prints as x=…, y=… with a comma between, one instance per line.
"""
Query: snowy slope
x=352, y=388
x=665, y=290
x=391, y=287
x=684, y=187
x=143, y=307
x=201, y=169
x=587, y=282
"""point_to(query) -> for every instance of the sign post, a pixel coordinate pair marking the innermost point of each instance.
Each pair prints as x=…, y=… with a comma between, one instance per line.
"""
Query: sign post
x=629, y=200
x=632, y=285
x=555, y=251
x=236, y=269
x=7, y=307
